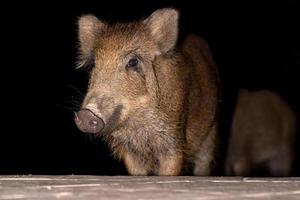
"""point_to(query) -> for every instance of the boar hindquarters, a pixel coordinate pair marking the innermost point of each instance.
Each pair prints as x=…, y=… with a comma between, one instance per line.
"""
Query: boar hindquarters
x=262, y=135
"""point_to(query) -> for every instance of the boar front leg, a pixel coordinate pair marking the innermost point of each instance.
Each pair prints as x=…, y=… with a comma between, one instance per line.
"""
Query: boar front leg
x=170, y=165
x=281, y=163
x=133, y=166
x=206, y=154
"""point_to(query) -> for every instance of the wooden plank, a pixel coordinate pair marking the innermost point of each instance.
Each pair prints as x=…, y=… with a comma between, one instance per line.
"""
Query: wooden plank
x=151, y=187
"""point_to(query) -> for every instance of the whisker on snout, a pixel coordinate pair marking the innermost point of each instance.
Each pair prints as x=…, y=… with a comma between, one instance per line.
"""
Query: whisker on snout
x=73, y=101
x=77, y=91
x=70, y=105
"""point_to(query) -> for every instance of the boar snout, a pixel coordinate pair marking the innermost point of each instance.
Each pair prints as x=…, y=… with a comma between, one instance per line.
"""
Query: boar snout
x=88, y=122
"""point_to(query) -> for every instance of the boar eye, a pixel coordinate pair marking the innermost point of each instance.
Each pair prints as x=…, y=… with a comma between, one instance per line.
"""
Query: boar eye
x=133, y=64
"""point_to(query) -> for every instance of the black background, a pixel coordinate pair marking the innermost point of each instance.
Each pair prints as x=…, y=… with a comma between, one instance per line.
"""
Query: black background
x=255, y=46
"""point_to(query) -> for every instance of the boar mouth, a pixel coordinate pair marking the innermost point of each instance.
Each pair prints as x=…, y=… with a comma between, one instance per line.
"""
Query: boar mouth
x=113, y=122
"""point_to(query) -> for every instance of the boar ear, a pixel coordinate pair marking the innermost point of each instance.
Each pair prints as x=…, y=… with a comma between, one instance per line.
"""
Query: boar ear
x=163, y=26
x=88, y=26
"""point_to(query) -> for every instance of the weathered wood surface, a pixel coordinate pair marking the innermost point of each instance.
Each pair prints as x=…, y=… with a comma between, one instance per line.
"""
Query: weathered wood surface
x=129, y=187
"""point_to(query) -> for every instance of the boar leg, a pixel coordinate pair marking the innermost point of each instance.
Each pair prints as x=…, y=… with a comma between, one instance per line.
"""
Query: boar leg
x=242, y=166
x=204, y=157
x=281, y=164
x=170, y=165
x=134, y=167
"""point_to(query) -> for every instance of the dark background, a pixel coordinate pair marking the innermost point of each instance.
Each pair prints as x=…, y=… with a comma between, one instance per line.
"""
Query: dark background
x=255, y=46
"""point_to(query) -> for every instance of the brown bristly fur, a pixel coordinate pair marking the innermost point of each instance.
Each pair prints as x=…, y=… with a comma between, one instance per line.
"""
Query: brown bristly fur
x=162, y=118
x=262, y=135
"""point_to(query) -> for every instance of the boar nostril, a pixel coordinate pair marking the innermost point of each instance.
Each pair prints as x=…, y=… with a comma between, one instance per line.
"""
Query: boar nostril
x=88, y=122
x=93, y=122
